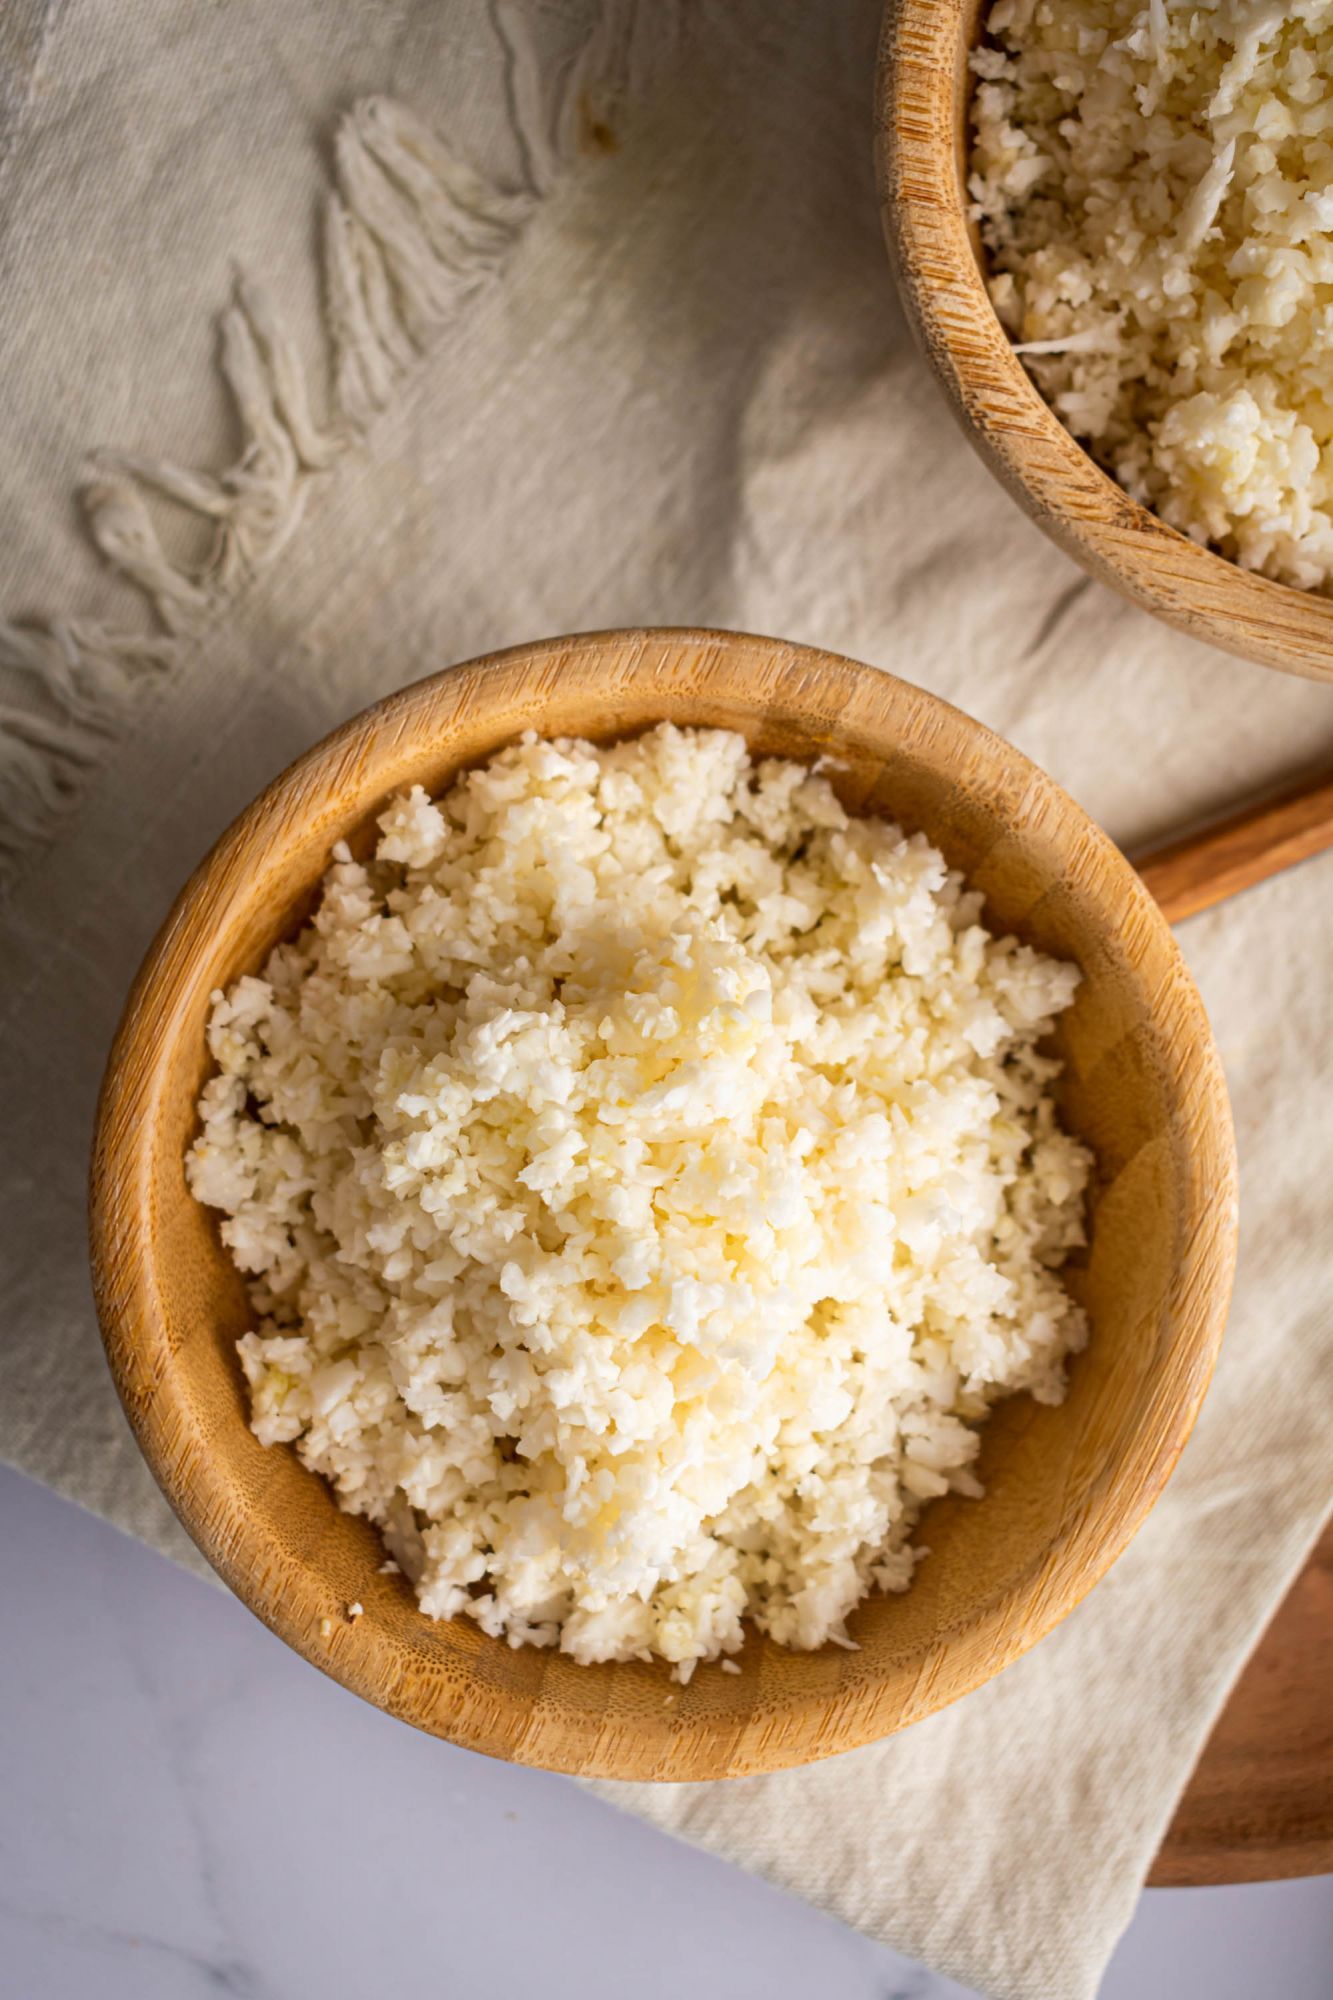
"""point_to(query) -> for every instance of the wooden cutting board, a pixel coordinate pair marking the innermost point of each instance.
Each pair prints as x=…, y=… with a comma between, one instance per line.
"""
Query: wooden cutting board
x=1260, y=1803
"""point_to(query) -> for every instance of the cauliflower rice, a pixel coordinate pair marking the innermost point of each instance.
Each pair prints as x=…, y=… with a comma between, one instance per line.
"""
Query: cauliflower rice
x=1154, y=184
x=647, y=1180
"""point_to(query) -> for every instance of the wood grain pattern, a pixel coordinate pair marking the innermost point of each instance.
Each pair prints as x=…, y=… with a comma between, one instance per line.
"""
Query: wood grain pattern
x=1206, y=866
x=1260, y=1803
x=1066, y=1487
x=921, y=108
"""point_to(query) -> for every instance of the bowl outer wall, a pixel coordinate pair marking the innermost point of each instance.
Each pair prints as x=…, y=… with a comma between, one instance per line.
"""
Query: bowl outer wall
x=1067, y=1487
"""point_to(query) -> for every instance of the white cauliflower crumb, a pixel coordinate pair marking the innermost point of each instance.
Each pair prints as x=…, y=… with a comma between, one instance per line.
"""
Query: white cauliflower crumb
x=647, y=1179
x=1154, y=184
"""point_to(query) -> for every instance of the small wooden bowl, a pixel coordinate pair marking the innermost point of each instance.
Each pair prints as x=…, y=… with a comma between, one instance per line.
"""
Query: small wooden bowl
x=922, y=98
x=1067, y=1487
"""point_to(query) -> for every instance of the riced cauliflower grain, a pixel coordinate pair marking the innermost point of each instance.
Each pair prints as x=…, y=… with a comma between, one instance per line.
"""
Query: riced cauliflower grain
x=1154, y=184
x=647, y=1180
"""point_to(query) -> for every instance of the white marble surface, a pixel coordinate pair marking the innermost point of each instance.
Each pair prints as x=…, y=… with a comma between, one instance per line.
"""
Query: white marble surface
x=187, y=1809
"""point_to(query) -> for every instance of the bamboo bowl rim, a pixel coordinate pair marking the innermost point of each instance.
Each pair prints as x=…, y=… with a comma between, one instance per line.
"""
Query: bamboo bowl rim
x=237, y=1500
x=921, y=102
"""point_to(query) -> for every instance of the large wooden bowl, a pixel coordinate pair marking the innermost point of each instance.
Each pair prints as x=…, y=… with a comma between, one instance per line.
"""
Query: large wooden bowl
x=1067, y=1487
x=922, y=98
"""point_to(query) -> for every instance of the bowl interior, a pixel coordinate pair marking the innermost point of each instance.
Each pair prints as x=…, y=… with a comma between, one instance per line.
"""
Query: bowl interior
x=1065, y=1486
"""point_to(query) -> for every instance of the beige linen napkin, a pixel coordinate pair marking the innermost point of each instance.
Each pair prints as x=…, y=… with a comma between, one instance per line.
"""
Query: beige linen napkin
x=639, y=361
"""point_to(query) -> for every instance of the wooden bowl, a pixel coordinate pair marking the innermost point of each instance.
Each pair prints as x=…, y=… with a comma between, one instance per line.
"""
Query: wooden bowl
x=922, y=98
x=1067, y=1487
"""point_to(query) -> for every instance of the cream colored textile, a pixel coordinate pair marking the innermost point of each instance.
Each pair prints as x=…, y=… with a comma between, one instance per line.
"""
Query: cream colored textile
x=641, y=362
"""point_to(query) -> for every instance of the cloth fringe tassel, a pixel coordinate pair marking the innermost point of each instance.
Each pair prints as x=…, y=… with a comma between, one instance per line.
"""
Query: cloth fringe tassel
x=411, y=234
